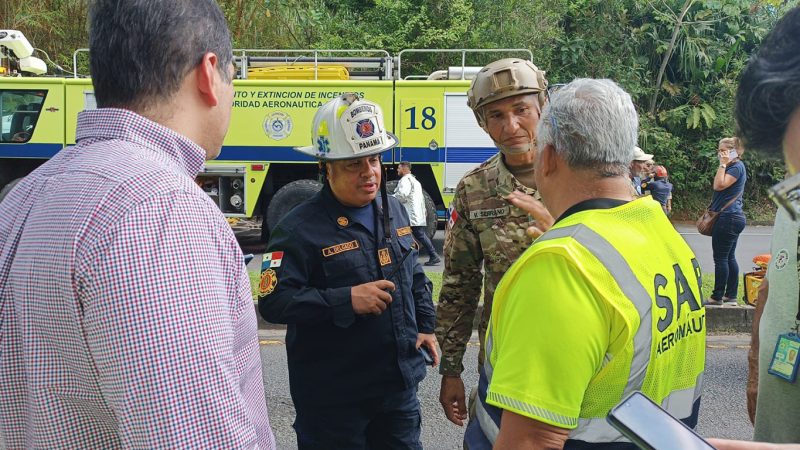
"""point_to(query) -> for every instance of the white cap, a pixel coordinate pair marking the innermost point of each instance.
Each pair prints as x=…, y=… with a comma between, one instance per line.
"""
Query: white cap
x=640, y=155
x=348, y=127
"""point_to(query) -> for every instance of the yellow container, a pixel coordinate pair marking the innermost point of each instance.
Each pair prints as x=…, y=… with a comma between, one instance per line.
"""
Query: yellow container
x=299, y=72
x=752, y=281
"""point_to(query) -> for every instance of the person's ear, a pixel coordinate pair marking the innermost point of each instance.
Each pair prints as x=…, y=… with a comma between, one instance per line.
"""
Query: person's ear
x=549, y=160
x=208, y=77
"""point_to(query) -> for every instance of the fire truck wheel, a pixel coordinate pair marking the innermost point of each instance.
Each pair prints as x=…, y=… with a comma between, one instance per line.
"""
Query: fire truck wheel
x=430, y=208
x=7, y=188
x=288, y=197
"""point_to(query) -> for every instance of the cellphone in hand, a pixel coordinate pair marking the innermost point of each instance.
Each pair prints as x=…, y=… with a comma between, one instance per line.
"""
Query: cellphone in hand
x=733, y=154
x=651, y=428
x=426, y=355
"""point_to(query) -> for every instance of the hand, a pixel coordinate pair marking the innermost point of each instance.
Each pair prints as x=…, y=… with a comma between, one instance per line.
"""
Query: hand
x=429, y=341
x=537, y=210
x=21, y=136
x=725, y=146
x=372, y=297
x=453, y=400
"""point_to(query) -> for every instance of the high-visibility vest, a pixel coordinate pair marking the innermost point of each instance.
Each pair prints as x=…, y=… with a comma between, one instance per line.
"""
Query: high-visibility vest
x=664, y=353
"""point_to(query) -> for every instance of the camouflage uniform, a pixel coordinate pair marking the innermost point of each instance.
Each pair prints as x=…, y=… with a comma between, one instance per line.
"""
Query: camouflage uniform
x=489, y=232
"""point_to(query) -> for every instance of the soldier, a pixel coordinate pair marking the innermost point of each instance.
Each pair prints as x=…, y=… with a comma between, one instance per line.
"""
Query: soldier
x=507, y=97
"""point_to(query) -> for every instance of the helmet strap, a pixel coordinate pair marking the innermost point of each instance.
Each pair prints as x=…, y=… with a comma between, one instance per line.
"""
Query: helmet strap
x=387, y=231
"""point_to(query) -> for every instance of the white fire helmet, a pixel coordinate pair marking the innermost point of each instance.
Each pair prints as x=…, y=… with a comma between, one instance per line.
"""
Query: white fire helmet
x=348, y=127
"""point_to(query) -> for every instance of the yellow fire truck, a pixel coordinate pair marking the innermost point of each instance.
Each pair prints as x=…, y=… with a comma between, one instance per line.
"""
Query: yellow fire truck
x=276, y=95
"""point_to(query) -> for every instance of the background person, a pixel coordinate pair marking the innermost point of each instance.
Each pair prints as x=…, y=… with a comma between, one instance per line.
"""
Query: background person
x=639, y=168
x=729, y=182
x=561, y=354
x=137, y=329
x=660, y=188
x=358, y=311
x=409, y=192
x=489, y=234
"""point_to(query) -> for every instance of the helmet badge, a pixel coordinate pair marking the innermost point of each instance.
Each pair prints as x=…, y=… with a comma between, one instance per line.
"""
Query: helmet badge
x=365, y=128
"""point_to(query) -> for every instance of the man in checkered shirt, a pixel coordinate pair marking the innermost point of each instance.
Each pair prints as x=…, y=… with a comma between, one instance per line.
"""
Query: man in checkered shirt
x=126, y=319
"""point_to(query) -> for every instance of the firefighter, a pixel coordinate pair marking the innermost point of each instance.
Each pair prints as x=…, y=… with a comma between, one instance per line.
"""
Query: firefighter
x=341, y=270
x=488, y=233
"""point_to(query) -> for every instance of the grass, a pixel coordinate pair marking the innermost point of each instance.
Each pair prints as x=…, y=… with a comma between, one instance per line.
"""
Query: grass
x=436, y=279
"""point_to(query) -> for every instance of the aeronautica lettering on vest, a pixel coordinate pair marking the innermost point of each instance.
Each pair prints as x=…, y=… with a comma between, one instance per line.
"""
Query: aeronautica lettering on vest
x=670, y=313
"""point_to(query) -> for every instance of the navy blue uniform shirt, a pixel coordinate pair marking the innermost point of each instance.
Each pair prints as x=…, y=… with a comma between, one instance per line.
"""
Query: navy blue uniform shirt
x=721, y=198
x=336, y=356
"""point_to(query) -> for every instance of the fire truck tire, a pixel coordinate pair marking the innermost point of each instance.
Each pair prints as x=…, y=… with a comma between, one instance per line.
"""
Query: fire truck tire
x=288, y=197
x=7, y=188
x=430, y=208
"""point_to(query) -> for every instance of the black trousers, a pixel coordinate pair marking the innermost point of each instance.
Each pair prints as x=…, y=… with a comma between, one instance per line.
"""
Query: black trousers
x=422, y=237
x=390, y=422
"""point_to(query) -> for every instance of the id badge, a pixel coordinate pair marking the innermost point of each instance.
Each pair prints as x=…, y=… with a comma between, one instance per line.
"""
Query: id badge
x=784, y=360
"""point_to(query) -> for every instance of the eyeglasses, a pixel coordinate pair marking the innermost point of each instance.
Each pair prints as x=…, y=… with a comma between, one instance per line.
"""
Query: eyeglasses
x=786, y=195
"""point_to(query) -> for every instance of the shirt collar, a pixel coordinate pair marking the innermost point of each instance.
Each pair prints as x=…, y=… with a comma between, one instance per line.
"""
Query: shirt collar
x=592, y=203
x=125, y=125
x=507, y=182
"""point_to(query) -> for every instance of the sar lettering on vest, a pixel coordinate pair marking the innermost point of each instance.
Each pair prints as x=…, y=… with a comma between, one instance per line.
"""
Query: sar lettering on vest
x=674, y=300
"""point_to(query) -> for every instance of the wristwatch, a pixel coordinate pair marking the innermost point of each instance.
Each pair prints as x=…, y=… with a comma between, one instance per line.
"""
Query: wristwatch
x=723, y=166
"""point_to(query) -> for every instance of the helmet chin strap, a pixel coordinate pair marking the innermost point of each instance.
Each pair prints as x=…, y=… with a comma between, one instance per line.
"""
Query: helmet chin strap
x=518, y=151
x=387, y=231
x=514, y=150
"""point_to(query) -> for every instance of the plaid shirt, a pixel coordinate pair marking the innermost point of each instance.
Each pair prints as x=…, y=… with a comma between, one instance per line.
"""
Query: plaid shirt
x=126, y=318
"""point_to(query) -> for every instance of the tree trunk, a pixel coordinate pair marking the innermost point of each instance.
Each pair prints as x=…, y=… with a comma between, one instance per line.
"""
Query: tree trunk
x=668, y=55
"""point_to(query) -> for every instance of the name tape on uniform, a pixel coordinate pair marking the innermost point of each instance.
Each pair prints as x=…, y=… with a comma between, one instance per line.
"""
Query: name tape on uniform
x=485, y=213
x=339, y=248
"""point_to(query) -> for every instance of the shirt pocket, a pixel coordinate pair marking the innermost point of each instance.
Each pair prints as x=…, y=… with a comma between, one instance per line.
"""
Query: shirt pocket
x=348, y=268
x=503, y=239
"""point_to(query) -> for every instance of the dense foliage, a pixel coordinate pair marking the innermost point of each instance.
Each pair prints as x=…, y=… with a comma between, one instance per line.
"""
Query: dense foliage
x=679, y=59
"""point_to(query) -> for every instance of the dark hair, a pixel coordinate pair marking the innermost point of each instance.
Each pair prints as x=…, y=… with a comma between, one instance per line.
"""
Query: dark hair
x=405, y=163
x=769, y=90
x=141, y=50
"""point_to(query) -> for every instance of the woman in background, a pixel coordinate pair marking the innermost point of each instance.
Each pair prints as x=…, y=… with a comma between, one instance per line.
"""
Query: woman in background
x=728, y=189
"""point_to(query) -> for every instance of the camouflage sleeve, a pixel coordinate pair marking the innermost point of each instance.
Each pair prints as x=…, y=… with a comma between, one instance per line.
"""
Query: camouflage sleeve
x=461, y=288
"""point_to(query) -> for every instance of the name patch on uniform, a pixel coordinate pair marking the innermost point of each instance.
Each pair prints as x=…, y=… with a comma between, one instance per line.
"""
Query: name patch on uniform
x=485, y=213
x=403, y=231
x=384, y=257
x=269, y=279
x=339, y=248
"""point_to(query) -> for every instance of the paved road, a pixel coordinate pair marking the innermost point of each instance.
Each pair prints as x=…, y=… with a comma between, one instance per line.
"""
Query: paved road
x=723, y=411
x=753, y=241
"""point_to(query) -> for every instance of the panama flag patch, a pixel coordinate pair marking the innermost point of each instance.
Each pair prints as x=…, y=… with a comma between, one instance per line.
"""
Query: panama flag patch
x=452, y=216
x=272, y=259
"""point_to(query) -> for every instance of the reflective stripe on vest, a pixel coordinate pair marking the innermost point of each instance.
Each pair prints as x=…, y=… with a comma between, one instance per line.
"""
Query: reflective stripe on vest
x=678, y=403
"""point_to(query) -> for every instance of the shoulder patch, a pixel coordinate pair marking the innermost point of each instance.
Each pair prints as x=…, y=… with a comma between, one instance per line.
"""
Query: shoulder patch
x=452, y=215
x=403, y=231
x=269, y=279
x=272, y=259
x=339, y=248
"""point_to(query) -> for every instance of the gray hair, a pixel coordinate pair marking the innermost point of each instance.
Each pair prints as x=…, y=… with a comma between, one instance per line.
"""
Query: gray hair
x=141, y=50
x=592, y=124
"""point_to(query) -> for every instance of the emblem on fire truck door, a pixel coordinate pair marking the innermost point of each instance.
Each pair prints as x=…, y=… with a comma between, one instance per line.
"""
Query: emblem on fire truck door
x=278, y=125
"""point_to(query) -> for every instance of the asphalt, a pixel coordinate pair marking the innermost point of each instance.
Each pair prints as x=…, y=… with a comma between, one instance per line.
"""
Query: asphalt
x=753, y=241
